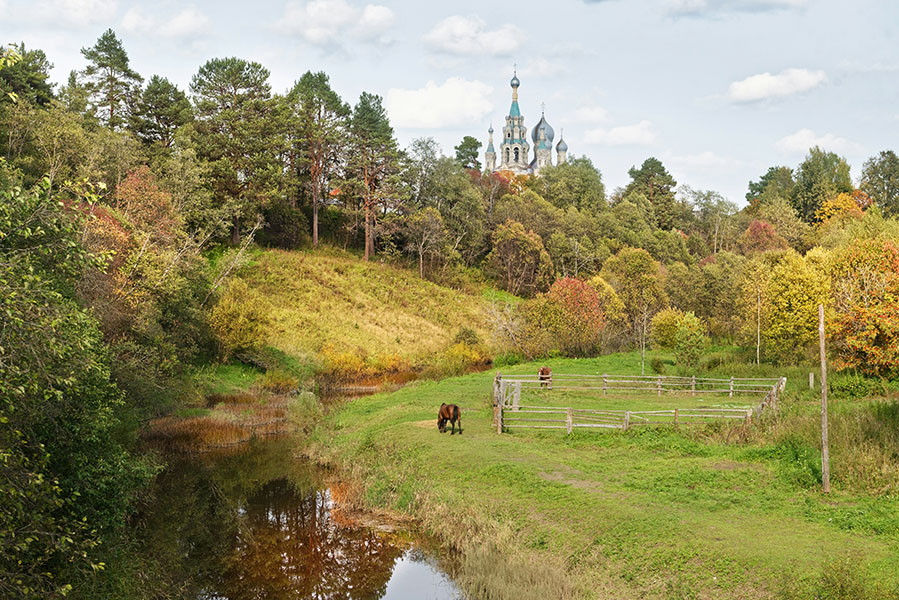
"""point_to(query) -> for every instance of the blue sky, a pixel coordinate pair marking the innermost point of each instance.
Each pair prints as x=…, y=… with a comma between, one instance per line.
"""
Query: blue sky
x=717, y=89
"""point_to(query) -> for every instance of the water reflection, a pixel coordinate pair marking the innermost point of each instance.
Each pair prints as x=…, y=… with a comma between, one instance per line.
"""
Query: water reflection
x=257, y=524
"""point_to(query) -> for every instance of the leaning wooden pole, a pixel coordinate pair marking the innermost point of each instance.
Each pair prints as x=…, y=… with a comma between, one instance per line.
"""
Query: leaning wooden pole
x=825, y=447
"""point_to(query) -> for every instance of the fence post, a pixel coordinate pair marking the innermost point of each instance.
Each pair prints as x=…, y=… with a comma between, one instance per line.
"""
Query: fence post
x=748, y=417
x=675, y=417
x=499, y=418
x=569, y=419
x=811, y=380
x=731, y=387
x=516, y=396
x=627, y=420
x=497, y=395
x=693, y=386
x=604, y=384
x=659, y=385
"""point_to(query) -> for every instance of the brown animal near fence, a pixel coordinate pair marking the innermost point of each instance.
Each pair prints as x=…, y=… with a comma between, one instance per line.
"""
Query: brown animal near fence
x=545, y=375
x=451, y=413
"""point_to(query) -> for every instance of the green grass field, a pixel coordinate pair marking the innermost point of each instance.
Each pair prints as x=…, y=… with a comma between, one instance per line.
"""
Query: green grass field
x=709, y=512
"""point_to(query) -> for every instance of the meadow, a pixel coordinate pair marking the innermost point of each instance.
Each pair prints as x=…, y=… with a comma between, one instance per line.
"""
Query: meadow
x=713, y=511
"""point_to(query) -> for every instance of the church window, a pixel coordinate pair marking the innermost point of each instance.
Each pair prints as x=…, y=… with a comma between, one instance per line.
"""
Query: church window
x=516, y=154
x=507, y=155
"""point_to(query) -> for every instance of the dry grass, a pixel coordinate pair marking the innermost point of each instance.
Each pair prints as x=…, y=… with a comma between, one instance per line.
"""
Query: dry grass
x=235, y=420
x=368, y=309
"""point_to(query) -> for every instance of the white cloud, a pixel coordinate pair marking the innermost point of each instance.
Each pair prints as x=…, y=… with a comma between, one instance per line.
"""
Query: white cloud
x=72, y=13
x=802, y=140
x=541, y=67
x=702, y=8
x=590, y=114
x=329, y=22
x=765, y=85
x=638, y=134
x=455, y=103
x=470, y=36
x=189, y=22
x=704, y=160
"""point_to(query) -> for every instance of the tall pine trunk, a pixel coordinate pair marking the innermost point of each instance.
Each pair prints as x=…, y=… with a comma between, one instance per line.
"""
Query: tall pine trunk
x=235, y=230
x=316, y=192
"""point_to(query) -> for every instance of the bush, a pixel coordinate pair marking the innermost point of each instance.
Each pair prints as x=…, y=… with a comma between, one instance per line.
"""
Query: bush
x=467, y=336
x=659, y=365
x=285, y=226
x=239, y=320
x=851, y=386
x=664, y=328
x=689, y=340
x=279, y=381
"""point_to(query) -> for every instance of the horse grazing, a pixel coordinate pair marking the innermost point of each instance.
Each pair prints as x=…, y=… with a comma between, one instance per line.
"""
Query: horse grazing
x=545, y=374
x=451, y=413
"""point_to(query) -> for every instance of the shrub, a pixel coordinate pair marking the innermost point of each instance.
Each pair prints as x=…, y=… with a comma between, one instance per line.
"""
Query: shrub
x=852, y=386
x=664, y=328
x=343, y=365
x=467, y=336
x=239, y=320
x=689, y=339
x=285, y=226
x=279, y=381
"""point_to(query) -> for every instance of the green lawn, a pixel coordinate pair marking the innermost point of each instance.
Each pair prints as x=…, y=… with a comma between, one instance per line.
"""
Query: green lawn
x=649, y=513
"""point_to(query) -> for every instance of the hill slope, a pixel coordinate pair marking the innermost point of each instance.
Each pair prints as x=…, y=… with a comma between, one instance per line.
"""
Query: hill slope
x=333, y=298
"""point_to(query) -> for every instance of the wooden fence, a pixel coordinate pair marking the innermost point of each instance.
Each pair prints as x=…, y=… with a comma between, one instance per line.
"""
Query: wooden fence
x=510, y=413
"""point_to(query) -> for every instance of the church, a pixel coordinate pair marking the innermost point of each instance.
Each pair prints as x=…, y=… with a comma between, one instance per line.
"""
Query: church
x=514, y=149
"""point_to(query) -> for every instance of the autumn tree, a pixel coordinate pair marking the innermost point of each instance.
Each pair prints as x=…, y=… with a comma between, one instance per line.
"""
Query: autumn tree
x=761, y=236
x=865, y=325
x=320, y=119
x=467, y=153
x=111, y=82
x=569, y=318
x=880, y=180
x=640, y=283
x=796, y=286
x=821, y=176
x=373, y=161
x=518, y=260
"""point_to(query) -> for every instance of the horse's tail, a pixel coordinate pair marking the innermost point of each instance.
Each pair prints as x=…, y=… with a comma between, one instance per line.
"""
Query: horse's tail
x=456, y=412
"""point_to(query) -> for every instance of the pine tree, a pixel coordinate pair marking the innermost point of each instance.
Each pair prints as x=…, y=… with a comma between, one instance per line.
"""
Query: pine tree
x=112, y=84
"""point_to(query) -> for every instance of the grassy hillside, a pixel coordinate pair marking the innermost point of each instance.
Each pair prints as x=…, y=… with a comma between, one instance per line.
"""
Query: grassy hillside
x=649, y=513
x=330, y=298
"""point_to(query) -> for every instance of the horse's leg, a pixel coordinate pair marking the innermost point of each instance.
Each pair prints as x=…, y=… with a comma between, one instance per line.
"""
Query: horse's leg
x=460, y=425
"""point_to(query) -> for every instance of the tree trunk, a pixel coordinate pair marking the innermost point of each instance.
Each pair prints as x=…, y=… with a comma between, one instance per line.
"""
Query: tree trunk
x=421, y=265
x=758, y=329
x=369, y=245
x=315, y=199
x=235, y=230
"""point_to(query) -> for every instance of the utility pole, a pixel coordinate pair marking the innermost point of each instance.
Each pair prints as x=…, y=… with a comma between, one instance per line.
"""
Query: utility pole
x=825, y=447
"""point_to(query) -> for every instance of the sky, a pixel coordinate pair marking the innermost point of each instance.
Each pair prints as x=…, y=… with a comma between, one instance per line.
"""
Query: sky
x=719, y=90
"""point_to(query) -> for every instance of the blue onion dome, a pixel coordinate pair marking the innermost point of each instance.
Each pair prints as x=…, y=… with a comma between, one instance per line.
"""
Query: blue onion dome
x=562, y=146
x=549, y=134
x=491, y=129
x=515, y=82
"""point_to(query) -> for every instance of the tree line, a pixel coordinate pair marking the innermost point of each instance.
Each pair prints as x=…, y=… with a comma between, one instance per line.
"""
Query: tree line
x=127, y=203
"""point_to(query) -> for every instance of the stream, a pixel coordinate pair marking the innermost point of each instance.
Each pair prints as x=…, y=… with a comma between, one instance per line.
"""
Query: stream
x=255, y=522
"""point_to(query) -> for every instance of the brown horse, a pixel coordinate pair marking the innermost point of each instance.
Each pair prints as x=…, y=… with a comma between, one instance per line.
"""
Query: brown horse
x=451, y=413
x=545, y=374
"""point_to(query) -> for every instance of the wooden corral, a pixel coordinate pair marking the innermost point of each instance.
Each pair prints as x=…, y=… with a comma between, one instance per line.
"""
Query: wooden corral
x=509, y=412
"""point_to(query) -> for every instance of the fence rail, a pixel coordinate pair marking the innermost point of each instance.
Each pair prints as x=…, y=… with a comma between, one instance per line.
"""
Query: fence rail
x=510, y=413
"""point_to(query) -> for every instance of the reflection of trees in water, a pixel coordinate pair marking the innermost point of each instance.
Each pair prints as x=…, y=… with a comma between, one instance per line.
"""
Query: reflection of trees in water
x=292, y=548
x=238, y=528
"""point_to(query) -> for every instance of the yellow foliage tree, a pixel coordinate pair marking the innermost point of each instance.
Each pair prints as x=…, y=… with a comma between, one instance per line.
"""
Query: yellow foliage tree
x=794, y=289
